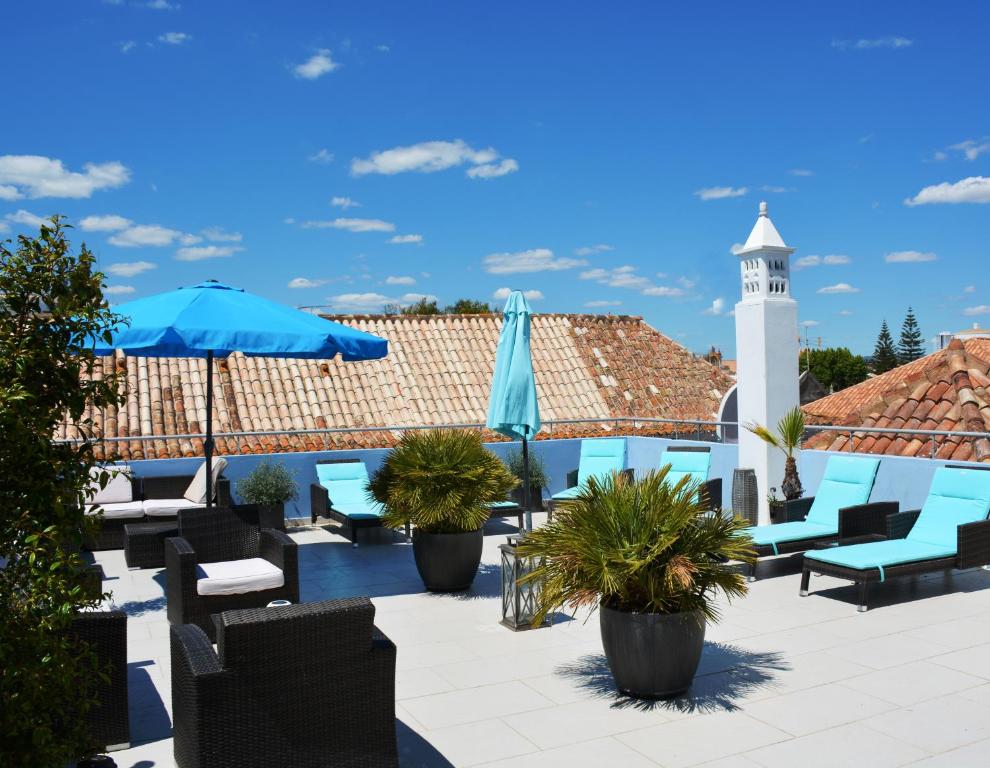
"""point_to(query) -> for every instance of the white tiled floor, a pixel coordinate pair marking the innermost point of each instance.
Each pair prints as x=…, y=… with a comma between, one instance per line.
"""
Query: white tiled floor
x=783, y=681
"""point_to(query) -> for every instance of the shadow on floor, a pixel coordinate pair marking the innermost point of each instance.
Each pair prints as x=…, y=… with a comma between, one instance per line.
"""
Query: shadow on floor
x=149, y=719
x=736, y=673
x=417, y=752
x=906, y=589
x=141, y=607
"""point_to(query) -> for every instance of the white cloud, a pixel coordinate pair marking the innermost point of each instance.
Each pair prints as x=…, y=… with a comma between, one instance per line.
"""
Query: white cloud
x=145, y=235
x=873, y=43
x=973, y=189
x=717, y=307
x=189, y=239
x=219, y=235
x=352, y=225
x=845, y=312
x=591, y=250
x=317, y=65
x=533, y=260
x=432, y=156
x=382, y=47
x=323, y=156
x=37, y=176
x=108, y=223
x=4, y=226
x=118, y=290
x=982, y=309
x=662, y=290
x=406, y=239
x=493, y=170
x=305, y=282
x=626, y=277
x=374, y=302
x=344, y=202
x=969, y=289
x=973, y=148
x=838, y=288
x=735, y=248
x=809, y=323
x=685, y=282
x=127, y=46
x=26, y=218
x=720, y=193
x=130, y=268
x=801, y=172
x=175, y=38
x=400, y=280
x=162, y=5
x=597, y=303
x=908, y=257
x=207, y=252
x=502, y=294
x=832, y=259
x=776, y=189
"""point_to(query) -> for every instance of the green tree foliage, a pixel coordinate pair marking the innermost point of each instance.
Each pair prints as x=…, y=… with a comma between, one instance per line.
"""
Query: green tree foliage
x=884, y=353
x=911, y=345
x=270, y=483
x=426, y=306
x=645, y=546
x=441, y=481
x=835, y=367
x=51, y=307
x=468, y=307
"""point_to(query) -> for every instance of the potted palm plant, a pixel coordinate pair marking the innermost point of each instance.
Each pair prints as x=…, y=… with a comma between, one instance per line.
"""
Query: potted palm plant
x=648, y=557
x=538, y=479
x=790, y=433
x=269, y=486
x=441, y=482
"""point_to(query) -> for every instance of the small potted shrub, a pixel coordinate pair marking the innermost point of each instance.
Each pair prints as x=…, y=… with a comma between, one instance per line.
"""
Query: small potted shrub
x=538, y=479
x=648, y=557
x=441, y=482
x=790, y=433
x=269, y=486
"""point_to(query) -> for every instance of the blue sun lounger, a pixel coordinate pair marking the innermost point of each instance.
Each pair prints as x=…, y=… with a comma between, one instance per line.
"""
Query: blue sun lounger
x=599, y=458
x=341, y=494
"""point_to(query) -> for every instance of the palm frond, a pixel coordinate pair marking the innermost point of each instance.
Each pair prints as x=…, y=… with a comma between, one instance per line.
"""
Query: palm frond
x=764, y=434
x=791, y=430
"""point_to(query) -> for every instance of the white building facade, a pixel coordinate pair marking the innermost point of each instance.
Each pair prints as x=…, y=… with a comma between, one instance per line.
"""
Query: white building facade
x=766, y=351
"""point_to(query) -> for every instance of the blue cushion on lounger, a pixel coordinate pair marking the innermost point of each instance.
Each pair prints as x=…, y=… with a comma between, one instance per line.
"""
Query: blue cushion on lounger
x=880, y=554
x=691, y=464
x=768, y=535
x=599, y=458
x=347, y=485
x=502, y=504
x=957, y=496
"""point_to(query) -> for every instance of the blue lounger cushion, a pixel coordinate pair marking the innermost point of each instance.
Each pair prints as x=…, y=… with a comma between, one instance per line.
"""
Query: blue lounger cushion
x=691, y=464
x=599, y=458
x=848, y=482
x=347, y=485
x=502, y=504
x=956, y=497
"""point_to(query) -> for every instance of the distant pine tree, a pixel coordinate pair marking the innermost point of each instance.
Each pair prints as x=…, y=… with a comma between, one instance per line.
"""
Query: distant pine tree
x=884, y=353
x=911, y=345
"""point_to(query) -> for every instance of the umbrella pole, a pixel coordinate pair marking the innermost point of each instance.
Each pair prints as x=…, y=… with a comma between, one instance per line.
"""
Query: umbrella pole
x=525, y=493
x=208, y=445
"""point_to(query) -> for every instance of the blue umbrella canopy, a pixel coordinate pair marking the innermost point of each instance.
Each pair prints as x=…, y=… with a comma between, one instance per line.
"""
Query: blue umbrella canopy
x=513, y=410
x=213, y=320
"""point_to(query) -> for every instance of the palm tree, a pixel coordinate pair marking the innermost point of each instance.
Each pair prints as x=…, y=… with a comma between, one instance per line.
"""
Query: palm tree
x=790, y=433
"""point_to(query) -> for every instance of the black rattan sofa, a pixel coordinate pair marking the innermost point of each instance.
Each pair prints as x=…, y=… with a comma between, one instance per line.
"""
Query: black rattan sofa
x=307, y=686
x=219, y=536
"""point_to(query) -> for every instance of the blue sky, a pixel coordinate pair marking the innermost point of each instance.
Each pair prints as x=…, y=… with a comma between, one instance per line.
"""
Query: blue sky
x=606, y=156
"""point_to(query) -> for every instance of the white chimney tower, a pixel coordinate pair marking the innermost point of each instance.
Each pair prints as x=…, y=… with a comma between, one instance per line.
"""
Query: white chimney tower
x=766, y=351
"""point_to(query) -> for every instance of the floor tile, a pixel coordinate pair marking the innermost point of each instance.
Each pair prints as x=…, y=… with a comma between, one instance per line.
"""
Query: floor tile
x=588, y=754
x=816, y=709
x=912, y=682
x=936, y=725
x=847, y=745
x=444, y=709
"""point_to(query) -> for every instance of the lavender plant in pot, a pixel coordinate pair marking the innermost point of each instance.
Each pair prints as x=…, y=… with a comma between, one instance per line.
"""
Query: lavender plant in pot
x=649, y=558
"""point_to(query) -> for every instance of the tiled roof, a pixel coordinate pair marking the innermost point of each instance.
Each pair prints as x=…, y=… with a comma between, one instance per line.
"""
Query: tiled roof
x=438, y=371
x=949, y=390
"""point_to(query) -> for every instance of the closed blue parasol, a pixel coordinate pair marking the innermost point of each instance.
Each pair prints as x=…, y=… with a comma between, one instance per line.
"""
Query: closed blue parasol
x=513, y=410
x=213, y=320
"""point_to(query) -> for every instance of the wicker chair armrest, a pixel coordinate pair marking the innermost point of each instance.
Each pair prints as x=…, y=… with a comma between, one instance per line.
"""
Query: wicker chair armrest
x=319, y=501
x=797, y=509
x=973, y=544
x=572, y=478
x=193, y=651
x=899, y=525
x=180, y=551
x=865, y=519
x=279, y=549
x=711, y=494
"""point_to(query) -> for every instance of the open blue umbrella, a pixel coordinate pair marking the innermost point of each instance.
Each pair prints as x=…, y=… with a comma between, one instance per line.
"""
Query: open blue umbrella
x=513, y=410
x=213, y=320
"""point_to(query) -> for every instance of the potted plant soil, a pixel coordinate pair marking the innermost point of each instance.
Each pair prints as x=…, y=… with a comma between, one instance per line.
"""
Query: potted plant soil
x=646, y=555
x=441, y=482
x=538, y=479
x=269, y=486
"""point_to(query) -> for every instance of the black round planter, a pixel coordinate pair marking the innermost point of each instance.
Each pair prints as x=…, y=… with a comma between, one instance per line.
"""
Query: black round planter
x=652, y=655
x=447, y=562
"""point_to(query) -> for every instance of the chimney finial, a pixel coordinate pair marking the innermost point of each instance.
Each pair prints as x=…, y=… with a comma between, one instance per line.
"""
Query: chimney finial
x=763, y=208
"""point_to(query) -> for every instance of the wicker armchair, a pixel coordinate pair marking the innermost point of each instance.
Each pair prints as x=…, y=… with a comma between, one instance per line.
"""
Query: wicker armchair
x=252, y=703
x=244, y=574
x=106, y=634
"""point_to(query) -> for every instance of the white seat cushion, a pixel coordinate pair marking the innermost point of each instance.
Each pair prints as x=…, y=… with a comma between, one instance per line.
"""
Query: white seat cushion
x=235, y=577
x=168, y=507
x=119, y=510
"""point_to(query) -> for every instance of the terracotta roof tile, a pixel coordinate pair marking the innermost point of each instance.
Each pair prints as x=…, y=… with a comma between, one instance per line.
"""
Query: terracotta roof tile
x=438, y=370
